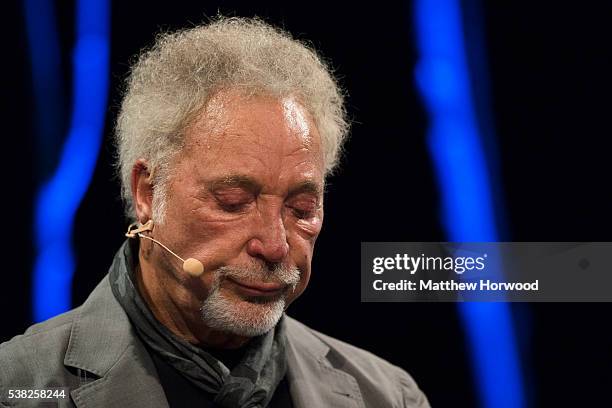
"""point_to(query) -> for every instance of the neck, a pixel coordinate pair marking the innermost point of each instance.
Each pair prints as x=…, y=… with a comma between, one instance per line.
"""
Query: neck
x=178, y=308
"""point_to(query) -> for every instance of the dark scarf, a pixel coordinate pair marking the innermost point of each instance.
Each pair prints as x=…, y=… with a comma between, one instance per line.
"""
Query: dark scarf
x=251, y=383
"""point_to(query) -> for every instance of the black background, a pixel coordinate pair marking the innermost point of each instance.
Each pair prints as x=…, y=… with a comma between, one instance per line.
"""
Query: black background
x=548, y=68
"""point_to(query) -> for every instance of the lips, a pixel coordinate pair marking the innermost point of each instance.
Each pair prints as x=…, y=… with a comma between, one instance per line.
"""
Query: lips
x=258, y=288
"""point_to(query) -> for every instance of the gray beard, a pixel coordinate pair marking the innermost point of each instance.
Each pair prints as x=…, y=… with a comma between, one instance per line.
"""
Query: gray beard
x=253, y=316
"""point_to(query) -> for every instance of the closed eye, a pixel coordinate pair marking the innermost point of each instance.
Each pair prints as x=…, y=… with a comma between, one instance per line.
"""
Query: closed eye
x=232, y=208
x=302, y=214
x=304, y=207
x=233, y=199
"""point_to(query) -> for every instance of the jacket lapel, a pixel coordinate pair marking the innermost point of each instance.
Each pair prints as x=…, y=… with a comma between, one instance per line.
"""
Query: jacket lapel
x=104, y=346
x=313, y=380
x=131, y=382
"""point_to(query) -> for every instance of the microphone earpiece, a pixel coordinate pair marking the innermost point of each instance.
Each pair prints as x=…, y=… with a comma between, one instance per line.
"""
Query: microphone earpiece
x=135, y=228
x=191, y=266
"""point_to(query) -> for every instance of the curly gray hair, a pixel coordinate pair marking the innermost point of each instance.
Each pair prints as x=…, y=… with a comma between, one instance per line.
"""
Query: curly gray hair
x=172, y=82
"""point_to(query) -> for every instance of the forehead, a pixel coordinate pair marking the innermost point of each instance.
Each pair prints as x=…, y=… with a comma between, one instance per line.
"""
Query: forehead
x=268, y=136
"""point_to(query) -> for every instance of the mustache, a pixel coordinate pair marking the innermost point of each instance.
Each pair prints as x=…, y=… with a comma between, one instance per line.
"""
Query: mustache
x=281, y=274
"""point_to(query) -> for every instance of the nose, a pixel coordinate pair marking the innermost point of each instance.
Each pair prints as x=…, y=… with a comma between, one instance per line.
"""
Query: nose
x=269, y=242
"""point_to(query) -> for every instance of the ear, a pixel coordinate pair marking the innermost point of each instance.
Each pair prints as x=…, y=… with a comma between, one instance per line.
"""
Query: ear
x=142, y=190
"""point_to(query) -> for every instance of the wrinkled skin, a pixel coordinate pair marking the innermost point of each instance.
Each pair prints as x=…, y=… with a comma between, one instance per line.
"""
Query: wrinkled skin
x=246, y=189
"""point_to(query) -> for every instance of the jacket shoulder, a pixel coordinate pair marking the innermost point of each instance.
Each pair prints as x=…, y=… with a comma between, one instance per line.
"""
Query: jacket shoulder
x=375, y=375
x=32, y=358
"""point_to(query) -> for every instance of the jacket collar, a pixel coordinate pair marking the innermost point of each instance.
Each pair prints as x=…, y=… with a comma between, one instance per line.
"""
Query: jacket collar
x=103, y=343
x=313, y=379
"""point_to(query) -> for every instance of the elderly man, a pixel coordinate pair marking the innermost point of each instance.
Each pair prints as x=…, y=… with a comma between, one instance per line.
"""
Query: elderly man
x=226, y=134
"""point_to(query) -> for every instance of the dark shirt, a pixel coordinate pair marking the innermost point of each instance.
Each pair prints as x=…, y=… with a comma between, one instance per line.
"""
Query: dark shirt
x=182, y=393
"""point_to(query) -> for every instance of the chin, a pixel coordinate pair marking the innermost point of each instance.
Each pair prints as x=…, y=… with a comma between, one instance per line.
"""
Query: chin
x=243, y=317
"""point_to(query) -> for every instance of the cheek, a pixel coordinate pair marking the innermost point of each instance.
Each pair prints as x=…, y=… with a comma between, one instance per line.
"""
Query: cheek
x=213, y=242
x=301, y=252
x=301, y=237
x=309, y=229
x=219, y=243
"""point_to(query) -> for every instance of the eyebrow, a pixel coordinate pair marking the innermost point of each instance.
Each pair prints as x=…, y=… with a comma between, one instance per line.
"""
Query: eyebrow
x=249, y=184
x=234, y=180
x=309, y=187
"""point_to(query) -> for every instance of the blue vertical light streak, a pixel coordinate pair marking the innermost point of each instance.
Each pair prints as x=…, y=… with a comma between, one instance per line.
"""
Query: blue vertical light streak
x=47, y=84
x=468, y=213
x=59, y=198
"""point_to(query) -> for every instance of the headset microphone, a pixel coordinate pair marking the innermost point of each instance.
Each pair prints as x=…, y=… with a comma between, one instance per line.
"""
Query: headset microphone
x=190, y=265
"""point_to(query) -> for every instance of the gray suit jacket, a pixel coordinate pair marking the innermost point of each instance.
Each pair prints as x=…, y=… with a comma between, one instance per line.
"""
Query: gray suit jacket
x=94, y=353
